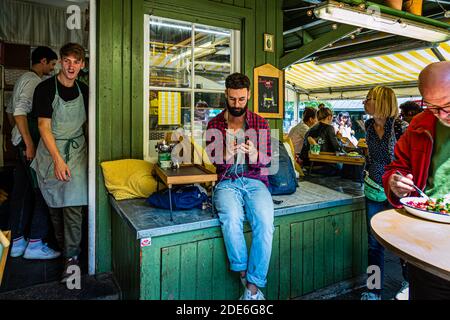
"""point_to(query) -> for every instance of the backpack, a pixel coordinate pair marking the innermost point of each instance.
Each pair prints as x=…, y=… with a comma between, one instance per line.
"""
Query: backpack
x=283, y=180
x=183, y=198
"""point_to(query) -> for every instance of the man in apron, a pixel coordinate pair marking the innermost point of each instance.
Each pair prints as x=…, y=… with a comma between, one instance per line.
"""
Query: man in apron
x=60, y=104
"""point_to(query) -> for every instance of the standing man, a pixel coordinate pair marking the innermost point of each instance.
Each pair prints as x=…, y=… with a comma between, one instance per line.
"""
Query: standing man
x=60, y=104
x=43, y=60
x=242, y=188
x=422, y=155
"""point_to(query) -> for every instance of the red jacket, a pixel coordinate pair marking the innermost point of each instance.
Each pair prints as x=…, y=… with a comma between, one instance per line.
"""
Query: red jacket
x=413, y=154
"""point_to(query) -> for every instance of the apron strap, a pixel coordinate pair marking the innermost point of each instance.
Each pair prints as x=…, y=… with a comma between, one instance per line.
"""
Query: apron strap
x=71, y=143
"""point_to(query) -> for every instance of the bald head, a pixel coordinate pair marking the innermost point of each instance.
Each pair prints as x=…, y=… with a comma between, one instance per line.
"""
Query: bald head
x=434, y=86
x=434, y=80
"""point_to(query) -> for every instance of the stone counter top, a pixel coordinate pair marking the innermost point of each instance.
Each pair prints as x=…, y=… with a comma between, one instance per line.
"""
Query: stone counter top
x=152, y=222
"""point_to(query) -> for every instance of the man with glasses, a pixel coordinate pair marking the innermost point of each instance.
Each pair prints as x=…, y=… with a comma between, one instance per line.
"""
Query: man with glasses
x=422, y=155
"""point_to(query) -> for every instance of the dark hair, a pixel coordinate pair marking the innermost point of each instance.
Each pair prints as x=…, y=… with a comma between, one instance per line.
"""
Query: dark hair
x=348, y=123
x=73, y=49
x=410, y=106
x=43, y=52
x=237, y=81
x=321, y=105
x=324, y=113
x=309, y=113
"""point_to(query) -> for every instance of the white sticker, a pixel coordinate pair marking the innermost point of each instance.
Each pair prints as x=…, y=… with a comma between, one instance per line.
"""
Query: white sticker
x=146, y=242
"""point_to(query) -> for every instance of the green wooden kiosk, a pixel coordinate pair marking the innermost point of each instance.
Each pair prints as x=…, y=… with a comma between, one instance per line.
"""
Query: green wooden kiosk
x=319, y=240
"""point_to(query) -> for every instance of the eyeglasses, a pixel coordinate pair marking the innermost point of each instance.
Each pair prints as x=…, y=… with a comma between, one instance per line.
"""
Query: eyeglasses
x=436, y=109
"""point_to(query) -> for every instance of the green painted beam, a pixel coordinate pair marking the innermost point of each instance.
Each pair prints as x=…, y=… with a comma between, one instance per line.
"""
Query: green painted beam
x=307, y=38
x=315, y=45
x=401, y=14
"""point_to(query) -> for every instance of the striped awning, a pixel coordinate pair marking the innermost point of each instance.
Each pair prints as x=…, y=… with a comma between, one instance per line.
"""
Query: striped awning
x=392, y=68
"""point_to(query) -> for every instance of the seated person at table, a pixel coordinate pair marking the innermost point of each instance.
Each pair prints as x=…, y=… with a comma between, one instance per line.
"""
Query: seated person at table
x=323, y=134
x=422, y=155
x=242, y=191
x=408, y=110
x=297, y=133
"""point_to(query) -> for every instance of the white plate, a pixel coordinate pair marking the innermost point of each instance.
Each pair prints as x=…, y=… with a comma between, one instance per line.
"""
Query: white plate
x=429, y=215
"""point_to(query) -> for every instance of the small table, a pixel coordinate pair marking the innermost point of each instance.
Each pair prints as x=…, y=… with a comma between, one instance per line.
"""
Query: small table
x=330, y=157
x=185, y=174
x=422, y=243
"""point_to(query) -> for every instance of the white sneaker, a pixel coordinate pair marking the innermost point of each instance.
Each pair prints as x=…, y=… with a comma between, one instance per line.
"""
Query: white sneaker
x=248, y=295
x=370, y=296
x=18, y=248
x=40, y=251
x=403, y=294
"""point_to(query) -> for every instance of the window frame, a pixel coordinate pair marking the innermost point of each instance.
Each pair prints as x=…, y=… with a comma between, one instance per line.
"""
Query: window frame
x=235, y=61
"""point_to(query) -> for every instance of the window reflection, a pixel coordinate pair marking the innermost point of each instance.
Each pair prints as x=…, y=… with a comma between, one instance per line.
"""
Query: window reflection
x=188, y=66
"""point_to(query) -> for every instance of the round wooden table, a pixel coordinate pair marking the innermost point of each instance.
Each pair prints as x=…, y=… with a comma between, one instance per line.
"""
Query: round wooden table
x=423, y=243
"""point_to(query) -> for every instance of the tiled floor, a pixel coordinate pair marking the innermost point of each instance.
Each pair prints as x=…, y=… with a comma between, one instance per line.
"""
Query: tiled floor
x=392, y=280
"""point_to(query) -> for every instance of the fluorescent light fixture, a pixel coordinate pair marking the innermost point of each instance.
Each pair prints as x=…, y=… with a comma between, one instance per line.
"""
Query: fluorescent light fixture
x=372, y=18
x=179, y=27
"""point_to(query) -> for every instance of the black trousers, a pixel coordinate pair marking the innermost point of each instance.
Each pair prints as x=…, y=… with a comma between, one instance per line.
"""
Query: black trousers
x=426, y=286
x=68, y=229
x=27, y=206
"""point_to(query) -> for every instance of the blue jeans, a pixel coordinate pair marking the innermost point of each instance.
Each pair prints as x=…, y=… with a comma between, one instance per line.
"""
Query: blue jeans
x=375, y=249
x=250, y=198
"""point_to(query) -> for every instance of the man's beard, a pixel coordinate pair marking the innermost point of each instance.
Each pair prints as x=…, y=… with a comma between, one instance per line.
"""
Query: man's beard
x=237, y=112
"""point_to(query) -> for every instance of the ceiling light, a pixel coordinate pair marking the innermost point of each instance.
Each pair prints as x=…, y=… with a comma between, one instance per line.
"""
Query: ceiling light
x=346, y=14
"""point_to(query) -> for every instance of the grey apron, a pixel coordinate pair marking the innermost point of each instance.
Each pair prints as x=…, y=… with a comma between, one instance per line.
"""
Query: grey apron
x=67, y=127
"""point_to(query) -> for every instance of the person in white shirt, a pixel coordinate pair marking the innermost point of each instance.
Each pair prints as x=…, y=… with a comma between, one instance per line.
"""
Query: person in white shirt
x=297, y=133
x=27, y=204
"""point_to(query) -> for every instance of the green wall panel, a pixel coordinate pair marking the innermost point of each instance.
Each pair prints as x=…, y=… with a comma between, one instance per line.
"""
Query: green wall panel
x=125, y=261
x=309, y=253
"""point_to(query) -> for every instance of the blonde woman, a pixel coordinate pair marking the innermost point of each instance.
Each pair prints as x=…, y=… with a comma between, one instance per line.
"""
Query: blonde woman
x=382, y=132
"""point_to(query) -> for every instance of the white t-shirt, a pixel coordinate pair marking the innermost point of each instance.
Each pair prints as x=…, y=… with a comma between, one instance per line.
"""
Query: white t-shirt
x=22, y=100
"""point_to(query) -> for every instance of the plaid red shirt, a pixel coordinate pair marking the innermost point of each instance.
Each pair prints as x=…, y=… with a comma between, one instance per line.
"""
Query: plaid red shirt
x=257, y=130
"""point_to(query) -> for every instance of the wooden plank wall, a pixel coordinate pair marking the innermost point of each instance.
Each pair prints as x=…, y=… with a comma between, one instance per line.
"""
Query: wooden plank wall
x=125, y=259
x=120, y=72
x=310, y=251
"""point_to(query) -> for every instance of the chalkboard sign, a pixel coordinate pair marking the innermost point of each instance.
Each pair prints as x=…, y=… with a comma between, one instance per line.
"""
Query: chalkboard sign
x=268, y=84
x=268, y=94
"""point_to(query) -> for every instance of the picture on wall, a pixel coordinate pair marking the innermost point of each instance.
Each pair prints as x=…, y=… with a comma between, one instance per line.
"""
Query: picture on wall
x=268, y=91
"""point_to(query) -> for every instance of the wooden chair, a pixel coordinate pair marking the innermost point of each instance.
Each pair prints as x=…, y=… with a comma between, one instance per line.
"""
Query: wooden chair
x=5, y=238
x=297, y=167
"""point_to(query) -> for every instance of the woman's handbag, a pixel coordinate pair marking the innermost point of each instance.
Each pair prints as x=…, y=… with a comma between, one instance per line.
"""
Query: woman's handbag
x=373, y=191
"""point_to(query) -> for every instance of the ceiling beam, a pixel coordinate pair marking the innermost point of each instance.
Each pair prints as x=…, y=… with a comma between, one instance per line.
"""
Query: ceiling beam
x=315, y=45
x=438, y=54
x=368, y=52
x=303, y=27
x=393, y=85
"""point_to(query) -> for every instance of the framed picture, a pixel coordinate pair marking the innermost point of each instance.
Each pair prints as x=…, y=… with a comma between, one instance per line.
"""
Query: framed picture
x=268, y=42
x=268, y=84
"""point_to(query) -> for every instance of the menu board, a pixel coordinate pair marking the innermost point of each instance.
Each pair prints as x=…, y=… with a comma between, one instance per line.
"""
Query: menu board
x=268, y=94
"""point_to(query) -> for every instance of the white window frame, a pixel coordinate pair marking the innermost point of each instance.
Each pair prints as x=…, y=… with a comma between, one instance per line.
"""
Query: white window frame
x=235, y=42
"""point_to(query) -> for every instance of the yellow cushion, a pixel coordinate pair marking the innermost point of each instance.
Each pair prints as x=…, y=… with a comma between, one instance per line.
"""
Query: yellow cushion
x=200, y=154
x=129, y=178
